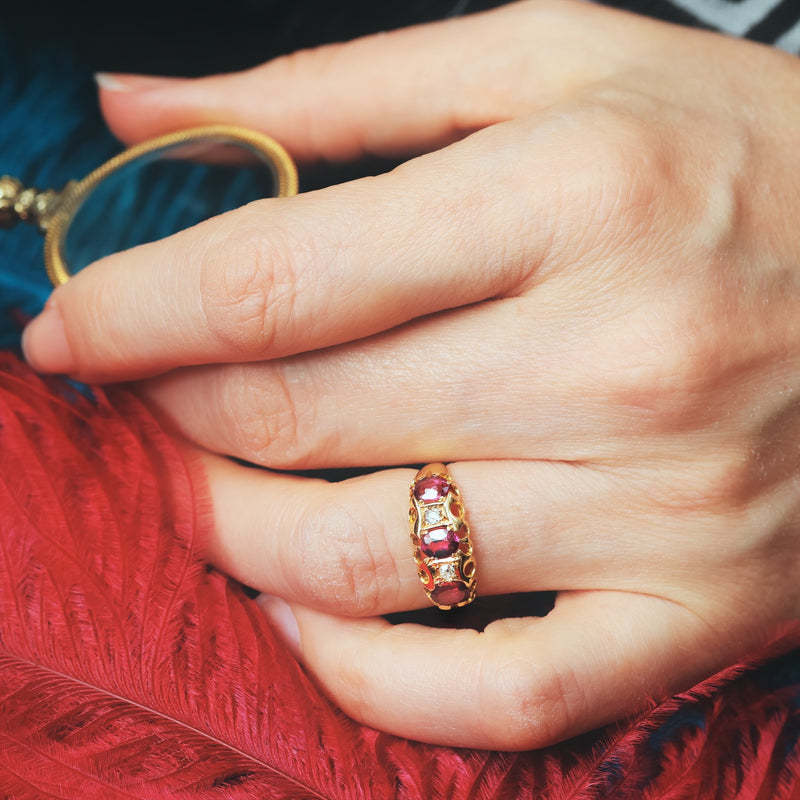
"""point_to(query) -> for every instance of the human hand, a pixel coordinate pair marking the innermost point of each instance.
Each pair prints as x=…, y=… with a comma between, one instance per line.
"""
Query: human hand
x=589, y=307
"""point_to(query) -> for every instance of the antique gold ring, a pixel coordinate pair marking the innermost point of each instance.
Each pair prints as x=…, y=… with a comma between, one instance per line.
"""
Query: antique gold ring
x=441, y=540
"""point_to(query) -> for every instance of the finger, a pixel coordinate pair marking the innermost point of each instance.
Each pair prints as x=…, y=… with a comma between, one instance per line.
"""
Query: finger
x=391, y=93
x=521, y=683
x=344, y=547
x=284, y=276
x=413, y=395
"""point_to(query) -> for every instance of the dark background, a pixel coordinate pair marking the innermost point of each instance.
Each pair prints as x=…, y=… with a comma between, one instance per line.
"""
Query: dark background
x=192, y=37
x=185, y=37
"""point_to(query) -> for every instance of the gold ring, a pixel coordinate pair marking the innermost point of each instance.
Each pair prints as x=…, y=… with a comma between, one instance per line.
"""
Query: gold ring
x=440, y=535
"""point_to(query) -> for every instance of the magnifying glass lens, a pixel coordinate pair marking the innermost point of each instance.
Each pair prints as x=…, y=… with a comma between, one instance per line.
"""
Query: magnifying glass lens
x=162, y=192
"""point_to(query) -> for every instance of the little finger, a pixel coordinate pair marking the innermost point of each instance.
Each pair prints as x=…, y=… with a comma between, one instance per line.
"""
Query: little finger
x=521, y=683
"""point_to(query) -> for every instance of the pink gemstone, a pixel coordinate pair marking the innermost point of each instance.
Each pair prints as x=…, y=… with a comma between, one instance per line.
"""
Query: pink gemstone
x=450, y=593
x=431, y=489
x=438, y=542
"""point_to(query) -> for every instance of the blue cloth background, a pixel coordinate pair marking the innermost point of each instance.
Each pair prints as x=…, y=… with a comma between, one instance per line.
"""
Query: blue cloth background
x=51, y=132
x=54, y=133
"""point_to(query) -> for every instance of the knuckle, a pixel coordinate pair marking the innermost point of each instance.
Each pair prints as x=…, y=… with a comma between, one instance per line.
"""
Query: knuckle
x=667, y=369
x=527, y=706
x=640, y=179
x=247, y=289
x=307, y=68
x=355, y=684
x=337, y=544
x=309, y=64
x=714, y=491
x=273, y=426
x=622, y=177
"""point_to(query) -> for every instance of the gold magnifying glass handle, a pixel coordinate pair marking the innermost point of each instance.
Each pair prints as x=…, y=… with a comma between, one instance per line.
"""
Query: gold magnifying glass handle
x=53, y=211
x=19, y=203
x=283, y=168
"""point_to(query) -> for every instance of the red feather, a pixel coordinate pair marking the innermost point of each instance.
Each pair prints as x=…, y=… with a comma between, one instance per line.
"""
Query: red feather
x=130, y=670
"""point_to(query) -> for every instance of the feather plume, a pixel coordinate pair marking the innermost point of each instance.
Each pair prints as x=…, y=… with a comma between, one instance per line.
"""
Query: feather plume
x=128, y=669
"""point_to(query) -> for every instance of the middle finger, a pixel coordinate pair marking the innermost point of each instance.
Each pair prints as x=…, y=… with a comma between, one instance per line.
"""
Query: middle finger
x=510, y=378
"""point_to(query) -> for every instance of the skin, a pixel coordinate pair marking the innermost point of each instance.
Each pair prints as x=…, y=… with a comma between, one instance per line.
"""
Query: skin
x=583, y=296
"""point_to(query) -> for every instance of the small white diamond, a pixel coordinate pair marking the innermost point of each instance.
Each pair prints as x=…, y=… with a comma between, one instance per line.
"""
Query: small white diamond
x=447, y=572
x=433, y=515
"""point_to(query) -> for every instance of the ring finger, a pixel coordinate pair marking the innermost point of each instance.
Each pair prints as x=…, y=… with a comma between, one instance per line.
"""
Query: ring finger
x=344, y=547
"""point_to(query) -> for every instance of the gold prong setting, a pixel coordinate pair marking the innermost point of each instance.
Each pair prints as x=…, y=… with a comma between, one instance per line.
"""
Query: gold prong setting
x=440, y=536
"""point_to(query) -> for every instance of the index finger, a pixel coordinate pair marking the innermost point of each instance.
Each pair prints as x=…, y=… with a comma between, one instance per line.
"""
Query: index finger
x=284, y=276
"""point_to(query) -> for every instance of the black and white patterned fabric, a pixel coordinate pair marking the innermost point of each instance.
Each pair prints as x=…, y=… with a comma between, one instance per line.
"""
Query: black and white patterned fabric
x=775, y=22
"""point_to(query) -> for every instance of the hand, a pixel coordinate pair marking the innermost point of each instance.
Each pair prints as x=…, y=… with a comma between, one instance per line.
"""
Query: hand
x=589, y=307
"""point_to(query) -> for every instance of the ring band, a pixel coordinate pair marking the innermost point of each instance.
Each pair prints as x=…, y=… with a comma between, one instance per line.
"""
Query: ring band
x=440, y=535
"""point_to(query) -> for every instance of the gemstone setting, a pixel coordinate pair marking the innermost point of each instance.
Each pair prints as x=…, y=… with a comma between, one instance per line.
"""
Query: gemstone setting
x=432, y=489
x=450, y=593
x=447, y=571
x=438, y=542
x=433, y=515
x=440, y=536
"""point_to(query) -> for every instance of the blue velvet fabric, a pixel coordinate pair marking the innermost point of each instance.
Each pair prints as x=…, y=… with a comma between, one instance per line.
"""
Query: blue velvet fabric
x=51, y=132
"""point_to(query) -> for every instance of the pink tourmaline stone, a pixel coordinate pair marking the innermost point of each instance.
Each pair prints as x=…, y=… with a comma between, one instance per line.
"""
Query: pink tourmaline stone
x=450, y=593
x=438, y=542
x=431, y=489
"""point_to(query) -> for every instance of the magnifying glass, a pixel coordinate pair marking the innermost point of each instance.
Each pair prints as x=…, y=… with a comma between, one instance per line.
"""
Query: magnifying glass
x=149, y=191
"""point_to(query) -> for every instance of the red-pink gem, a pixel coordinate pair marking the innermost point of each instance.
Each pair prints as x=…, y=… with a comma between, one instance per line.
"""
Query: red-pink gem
x=450, y=593
x=438, y=542
x=431, y=489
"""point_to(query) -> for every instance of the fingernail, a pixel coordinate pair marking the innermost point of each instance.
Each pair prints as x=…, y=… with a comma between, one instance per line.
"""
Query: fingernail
x=281, y=618
x=45, y=345
x=118, y=82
